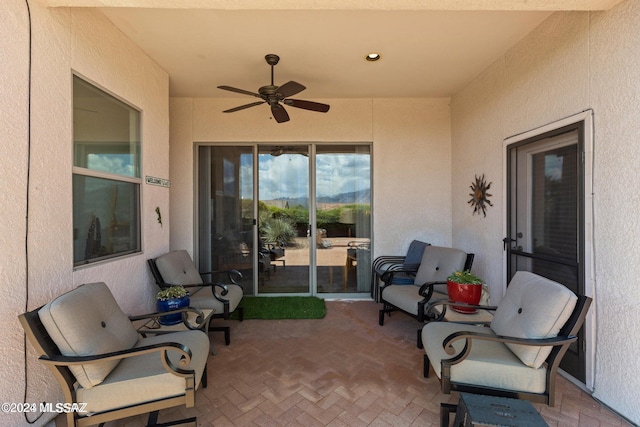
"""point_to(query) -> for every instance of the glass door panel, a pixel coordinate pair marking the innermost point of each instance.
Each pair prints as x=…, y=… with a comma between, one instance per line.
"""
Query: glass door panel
x=225, y=212
x=283, y=219
x=343, y=218
x=545, y=219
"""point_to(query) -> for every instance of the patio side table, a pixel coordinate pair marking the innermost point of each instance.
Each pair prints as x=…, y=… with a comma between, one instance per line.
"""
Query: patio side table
x=474, y=410
x=152, y=326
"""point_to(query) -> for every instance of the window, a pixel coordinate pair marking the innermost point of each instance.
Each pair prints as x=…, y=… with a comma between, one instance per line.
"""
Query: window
x=106, y=175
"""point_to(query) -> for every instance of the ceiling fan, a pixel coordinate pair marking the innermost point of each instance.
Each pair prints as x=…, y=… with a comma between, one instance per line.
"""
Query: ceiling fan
x=275, y=96
x=280, y=150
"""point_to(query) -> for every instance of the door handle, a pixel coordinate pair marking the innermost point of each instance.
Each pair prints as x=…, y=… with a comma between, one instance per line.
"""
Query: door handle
x=506, y=241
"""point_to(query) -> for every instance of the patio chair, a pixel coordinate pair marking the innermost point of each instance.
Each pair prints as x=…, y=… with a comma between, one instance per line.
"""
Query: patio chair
x=97, y=356
x=275, y=251
x=518, y=355
x=177, y=268
x=408, y=263
x=430, y=281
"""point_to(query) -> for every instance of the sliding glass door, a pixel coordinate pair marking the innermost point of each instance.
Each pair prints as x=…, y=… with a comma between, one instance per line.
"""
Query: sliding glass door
x=225, y=234
x=283, y=219
x=294, y=219
x=343, y=218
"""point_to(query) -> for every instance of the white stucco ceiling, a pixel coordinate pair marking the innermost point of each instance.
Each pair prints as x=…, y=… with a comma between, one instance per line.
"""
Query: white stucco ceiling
x=429, y=48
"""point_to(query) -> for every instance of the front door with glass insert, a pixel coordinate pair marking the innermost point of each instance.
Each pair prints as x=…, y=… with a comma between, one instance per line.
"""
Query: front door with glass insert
x=546, y=217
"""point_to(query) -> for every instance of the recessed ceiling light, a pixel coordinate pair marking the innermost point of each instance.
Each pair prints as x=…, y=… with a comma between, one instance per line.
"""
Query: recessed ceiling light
x=372, y=57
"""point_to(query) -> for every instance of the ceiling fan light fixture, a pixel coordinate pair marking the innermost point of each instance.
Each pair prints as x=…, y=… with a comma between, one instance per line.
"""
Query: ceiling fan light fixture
x=373, y=57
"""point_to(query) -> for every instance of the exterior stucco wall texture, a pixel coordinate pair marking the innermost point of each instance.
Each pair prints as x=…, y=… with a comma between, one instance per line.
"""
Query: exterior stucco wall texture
x=65, y=41
x=570, y=63
x=411, y=153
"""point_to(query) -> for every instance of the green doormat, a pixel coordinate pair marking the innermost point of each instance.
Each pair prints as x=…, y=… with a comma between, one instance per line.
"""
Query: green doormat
x=282, y=308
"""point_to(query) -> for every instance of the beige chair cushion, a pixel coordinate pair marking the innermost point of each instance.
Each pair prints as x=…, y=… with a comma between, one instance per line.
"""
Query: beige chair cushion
x=489, y=364
x=406, y=297
x=177, y=268
x=533, y=307
x=87, y=321
x=438, y=263
x=143, y=378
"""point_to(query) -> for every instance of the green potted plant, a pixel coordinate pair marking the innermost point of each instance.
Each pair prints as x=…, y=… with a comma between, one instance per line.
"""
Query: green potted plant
x=172, y=298
x=464, y=287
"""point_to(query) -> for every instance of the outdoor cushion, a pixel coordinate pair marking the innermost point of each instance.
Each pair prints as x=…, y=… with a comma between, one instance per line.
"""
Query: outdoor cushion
x=143, y=378
x=413, y=257
x=177, y=268
x=438, y=263
x=87, y=322
x=533, y=307
x=489, y=363
x=415, y=252
x=407, y=297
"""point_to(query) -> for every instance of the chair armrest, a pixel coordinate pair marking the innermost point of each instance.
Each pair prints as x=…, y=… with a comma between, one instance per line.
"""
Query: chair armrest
x=387, y=275
x=426, y=290
x=234, y=276
x=386, y=259
x=469, y=336
x=161, y=348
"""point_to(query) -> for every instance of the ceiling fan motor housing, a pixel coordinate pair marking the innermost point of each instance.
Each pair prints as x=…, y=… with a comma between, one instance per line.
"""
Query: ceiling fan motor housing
x=272, y=59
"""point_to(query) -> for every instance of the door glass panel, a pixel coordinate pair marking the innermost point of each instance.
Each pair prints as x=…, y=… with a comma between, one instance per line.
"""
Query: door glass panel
x=545, y=219
x=343, y=218
x=283, y=219
x=225, y=212
x=546, y=223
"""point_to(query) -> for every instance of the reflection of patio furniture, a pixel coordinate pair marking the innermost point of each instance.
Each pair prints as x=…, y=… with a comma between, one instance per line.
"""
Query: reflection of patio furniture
x=358, y=256
x=274, y=251
x=234, y=254
x=321, y=239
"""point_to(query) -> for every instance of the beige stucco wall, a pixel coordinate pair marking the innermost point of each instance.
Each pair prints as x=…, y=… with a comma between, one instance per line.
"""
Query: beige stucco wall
x=411, y=154
x=572, y=62
x=65, y=40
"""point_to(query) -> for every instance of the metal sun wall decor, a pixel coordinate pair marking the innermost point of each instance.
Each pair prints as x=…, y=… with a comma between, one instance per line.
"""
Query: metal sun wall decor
x=479, y=196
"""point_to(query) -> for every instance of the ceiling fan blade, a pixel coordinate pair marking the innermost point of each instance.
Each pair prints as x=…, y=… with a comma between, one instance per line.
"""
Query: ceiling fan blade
x=290, y=88
x=307, y=105
x=279, y=113
x=242, y=107
x=236, y=90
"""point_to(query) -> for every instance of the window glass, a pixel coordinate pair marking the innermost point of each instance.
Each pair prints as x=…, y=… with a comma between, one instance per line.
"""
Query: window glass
x=106, y=175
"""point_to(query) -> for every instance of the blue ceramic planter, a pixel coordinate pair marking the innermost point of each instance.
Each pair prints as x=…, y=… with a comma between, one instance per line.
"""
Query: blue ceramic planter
x=172, y=304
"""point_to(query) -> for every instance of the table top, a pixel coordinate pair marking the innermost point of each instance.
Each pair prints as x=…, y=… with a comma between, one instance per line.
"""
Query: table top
x=480, y=410
x=480, y=316
x=152, y=325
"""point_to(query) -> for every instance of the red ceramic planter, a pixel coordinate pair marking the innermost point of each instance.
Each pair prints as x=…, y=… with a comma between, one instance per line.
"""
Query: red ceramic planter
x=465, y=293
